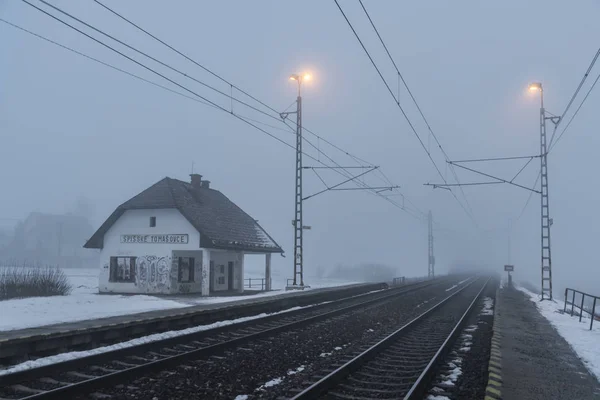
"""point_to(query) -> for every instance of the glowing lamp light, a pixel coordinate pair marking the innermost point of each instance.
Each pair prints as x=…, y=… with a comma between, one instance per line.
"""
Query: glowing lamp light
x=534, y=87
x=300, y=78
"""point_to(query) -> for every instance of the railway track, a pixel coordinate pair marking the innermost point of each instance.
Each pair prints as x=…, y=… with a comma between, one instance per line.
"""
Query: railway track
x=401, y=365
x=69, y=378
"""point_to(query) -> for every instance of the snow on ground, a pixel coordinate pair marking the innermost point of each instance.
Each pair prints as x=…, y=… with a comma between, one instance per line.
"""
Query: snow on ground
x=577, y=334
x=272, y=382
x=38, y=311
x=450, y=378
x=295, y=371
x=85, y=303
x=40, y=362
x=488, y=304
x=82, y=303
x=463, y=281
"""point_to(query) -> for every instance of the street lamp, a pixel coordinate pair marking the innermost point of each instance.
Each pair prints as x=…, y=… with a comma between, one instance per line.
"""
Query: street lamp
x=537, y=87
x=300, y=78
x=545, y=205
x=298, y=282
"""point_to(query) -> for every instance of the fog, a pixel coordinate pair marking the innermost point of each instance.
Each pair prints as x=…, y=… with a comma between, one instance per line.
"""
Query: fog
x=72, y=128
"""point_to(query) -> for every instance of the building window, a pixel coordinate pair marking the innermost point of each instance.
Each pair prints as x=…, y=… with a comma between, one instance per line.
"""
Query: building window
x=221, y=269
x=186, y=269
x=152, y=222
x=221, y=280
x=122, y=269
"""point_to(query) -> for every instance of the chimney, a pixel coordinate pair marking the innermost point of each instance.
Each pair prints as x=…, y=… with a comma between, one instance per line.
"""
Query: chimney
x=196, y=180
x=206, y=184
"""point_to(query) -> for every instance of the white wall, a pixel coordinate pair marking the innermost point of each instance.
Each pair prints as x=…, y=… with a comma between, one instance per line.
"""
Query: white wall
x=155, y=257
x=223, y=258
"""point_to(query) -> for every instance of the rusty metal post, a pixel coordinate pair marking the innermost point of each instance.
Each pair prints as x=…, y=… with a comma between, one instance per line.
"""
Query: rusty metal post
x=581, y=308
x=593, y=313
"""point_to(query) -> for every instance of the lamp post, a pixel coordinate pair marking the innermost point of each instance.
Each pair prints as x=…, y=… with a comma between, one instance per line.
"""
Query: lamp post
x=546, y=221
x=298, y=282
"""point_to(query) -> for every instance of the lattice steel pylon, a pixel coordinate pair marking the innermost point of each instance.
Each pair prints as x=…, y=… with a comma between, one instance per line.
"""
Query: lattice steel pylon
x=546, y=221
x=298, y=227
x=298, y=281
x=431, y=258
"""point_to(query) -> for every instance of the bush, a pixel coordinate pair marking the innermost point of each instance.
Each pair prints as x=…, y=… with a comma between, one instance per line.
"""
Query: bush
x=25, y=281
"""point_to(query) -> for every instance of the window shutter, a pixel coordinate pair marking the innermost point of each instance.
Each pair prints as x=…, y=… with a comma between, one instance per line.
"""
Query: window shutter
x=112, y=273
x=179, y=270
x=191, y=269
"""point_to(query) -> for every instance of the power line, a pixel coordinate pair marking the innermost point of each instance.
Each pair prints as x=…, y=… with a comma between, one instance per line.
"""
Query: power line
x=574, y=115
x=585, y=76
x=104, y=63
x=400, y=107
x=208, y=102
x=128, y=20
x=184, y=55
x=234, y=86
x=158, y=73
x=495, y=159
x=530, y=195
x=388, y=88
x=232, y=98
x=415, y=102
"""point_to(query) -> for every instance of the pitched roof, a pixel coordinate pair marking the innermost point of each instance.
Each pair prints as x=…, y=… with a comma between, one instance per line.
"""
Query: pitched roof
x=221, y=223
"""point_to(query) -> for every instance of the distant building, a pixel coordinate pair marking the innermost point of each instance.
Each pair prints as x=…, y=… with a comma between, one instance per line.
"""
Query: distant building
x=178, y=237
x=51, y=239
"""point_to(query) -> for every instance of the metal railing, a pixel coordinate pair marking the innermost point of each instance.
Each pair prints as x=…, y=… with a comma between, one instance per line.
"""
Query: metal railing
x=581, y=305
x=255, y=283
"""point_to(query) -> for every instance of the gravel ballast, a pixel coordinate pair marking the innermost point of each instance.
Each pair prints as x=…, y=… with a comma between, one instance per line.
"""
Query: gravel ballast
x=265, y=368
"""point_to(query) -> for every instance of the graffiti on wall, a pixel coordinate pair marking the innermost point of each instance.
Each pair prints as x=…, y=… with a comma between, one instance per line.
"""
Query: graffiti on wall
x=153, y=273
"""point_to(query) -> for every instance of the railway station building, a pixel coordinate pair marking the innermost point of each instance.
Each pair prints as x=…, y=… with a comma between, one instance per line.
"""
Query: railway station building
x=179, y=237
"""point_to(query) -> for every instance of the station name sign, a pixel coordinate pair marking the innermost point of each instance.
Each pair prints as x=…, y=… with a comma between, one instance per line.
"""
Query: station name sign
x=158, y=239
x=509, y=268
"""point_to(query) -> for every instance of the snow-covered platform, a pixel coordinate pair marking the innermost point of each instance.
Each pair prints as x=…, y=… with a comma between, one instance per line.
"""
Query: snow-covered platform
x=82, y=334
x=540, y=351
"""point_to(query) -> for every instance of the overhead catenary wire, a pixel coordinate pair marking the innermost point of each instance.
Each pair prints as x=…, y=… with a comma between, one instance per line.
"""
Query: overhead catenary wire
x=401, y=77
x=529, y=197
x=123, y=43
x=575, y=114
x=105, y=63
x=128, y=20
x=209, y=102
x=401, y=109
x=157, y=73
x=581, y=83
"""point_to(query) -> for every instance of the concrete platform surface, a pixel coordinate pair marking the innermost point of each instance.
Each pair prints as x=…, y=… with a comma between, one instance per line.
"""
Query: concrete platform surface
x=537, y=363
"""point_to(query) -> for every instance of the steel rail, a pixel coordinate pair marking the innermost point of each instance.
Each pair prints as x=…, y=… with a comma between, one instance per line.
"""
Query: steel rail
x=201, y=352
x=334, y=378
x=421, y=385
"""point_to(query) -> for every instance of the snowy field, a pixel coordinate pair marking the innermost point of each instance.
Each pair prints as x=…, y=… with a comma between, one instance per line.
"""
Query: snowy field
x=577, y=334
x=82, y=303
x=85, y=302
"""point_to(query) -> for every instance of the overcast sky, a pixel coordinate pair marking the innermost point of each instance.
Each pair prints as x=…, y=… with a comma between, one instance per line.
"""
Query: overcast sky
x=70, y=127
